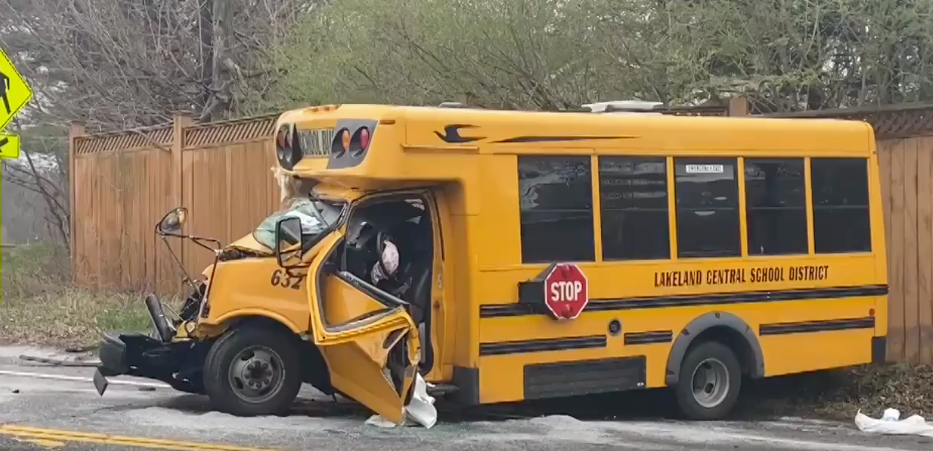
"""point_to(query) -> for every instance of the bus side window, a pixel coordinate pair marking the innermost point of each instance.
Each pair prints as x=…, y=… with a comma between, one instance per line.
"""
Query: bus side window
x=556, y=201
x=776, y=206
x=706, y=191
x=840, y=205
x=633, y=208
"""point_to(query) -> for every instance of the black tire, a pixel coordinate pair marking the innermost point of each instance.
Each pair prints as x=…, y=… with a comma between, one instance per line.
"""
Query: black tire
x=222, y=388
x=707, y=408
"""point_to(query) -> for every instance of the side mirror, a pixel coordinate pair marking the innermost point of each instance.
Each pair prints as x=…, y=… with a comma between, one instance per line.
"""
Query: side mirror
x=288, y=239
x=172, y=222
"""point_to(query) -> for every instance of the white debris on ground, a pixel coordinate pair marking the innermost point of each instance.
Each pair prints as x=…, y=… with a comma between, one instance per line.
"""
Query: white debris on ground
x=379, y=422
x=891, y=424
x=420, y=410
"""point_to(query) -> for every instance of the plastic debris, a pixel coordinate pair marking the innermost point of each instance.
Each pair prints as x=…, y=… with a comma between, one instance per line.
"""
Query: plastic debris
x=379, y=422
x=891, y=424
x=419, y=410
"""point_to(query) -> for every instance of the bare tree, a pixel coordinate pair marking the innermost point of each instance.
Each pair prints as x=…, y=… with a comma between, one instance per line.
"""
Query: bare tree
x=126, y=63
x=43, y=172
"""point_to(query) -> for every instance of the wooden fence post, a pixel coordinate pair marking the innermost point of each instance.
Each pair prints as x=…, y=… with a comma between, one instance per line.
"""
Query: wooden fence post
x=738, y=106
x=468, y=99
x=76, y=130
x=180, y=121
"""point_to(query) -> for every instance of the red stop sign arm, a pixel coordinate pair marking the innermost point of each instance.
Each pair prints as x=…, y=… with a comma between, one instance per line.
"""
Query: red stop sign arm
x=561, y=290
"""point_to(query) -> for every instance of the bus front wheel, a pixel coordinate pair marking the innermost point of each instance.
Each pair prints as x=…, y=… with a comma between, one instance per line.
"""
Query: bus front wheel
x=253, y=371
x=710, y=379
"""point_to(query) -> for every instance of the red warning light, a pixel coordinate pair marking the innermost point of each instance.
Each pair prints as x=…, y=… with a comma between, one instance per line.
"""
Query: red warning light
x=364, y=138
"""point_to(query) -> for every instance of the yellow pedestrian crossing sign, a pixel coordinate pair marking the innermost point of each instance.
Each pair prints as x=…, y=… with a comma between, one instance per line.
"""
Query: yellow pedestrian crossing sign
x=9, y=146
x=15, y=93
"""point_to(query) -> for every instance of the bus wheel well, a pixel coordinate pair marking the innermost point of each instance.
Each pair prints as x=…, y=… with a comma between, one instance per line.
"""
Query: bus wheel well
x=259, y=322
x=724, y=328
x=733, y=340
x=313, y=366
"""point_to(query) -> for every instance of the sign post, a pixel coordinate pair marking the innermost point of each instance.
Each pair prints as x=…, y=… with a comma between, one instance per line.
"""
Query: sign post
x=15, y=93
x=566, y=291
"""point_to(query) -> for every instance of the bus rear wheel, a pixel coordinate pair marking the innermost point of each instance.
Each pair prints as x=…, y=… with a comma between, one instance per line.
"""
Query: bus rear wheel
x=253, y=371
x=710, y=379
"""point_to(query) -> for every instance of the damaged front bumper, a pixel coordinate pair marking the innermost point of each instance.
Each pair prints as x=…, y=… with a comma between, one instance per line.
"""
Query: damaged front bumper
x=118, y=353
x=177, y=363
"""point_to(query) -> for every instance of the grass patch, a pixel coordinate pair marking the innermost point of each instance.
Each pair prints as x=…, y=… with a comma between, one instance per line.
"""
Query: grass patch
x=39, y=306
x=70, y=317
x=33, y=269
x=130, y=318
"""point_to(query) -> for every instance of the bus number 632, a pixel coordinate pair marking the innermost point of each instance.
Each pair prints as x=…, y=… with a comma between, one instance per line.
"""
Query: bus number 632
x=282, y=278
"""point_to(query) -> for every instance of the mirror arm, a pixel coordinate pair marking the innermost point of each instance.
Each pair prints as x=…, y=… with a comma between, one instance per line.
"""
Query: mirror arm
x=195, y=237
x=199, y=241
x=187, y=277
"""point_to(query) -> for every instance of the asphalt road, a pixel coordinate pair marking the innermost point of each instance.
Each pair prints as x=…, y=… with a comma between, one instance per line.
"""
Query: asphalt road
x=62, y=411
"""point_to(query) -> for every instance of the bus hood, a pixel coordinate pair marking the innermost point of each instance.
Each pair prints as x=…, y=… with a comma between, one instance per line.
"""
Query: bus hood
x=249, y=244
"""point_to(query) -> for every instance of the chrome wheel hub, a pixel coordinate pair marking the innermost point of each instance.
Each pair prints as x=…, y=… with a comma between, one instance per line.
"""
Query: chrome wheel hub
x=256, y=374
x=710, y=383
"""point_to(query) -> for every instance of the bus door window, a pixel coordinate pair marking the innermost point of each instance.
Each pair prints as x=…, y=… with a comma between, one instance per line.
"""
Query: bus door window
x=390, y=245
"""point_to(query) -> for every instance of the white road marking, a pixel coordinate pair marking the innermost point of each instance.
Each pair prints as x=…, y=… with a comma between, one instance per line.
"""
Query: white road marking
x=62, y=377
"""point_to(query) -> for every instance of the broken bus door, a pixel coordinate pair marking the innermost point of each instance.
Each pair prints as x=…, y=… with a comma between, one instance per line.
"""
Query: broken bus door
x=367, y=337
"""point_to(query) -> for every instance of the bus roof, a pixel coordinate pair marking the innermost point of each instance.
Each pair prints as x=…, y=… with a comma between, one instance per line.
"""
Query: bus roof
x=405, y=136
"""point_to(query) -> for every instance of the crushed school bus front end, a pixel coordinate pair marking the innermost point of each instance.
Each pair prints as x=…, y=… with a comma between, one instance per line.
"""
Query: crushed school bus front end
x=247, y=337
x=505, y=256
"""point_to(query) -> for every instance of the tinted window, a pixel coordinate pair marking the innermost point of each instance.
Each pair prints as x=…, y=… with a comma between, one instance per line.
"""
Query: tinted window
x=707, y=207
x=840, y=205
x=776, y=206
x=556, y=195
x=633, y=206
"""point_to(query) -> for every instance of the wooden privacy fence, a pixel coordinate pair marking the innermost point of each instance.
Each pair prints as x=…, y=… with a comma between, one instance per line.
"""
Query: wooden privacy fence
x=124, y=182
x=907, y=185
x=904, y=136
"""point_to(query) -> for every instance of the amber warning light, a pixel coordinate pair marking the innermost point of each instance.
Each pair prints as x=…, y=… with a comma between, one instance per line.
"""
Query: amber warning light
x=345, y=139
x=356, y=142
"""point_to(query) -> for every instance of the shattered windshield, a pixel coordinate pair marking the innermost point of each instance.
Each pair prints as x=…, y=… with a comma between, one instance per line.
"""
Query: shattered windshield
x=315, y=216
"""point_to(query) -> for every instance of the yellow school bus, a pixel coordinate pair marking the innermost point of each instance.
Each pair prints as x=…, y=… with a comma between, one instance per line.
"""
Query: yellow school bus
x=508, y=255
